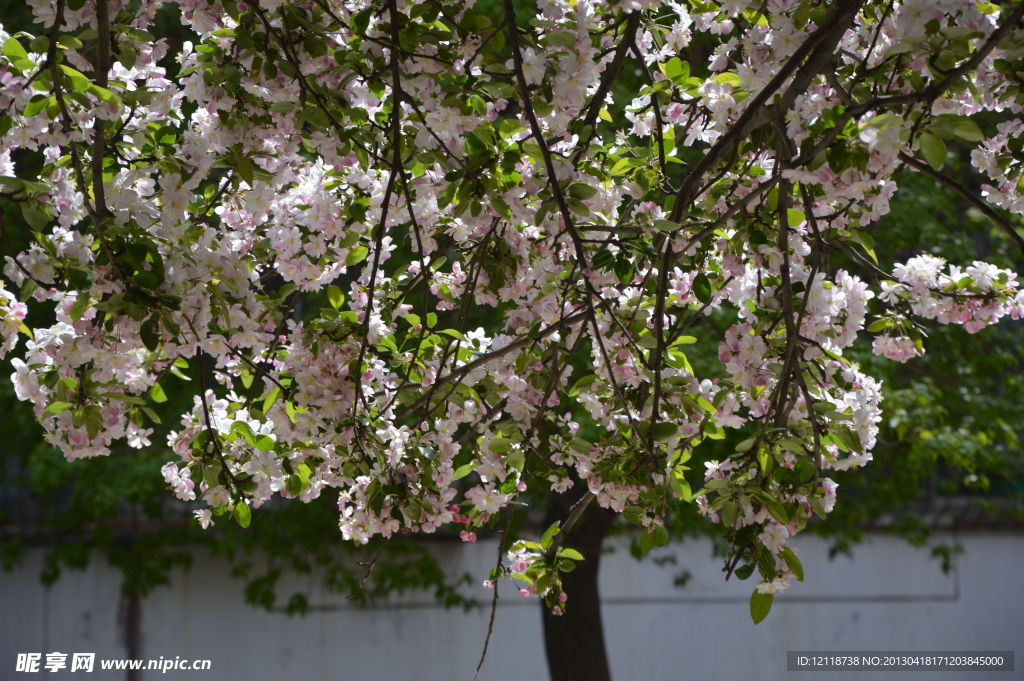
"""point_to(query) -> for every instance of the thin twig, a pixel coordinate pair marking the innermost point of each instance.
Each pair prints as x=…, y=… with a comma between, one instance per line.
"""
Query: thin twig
x=372, y=564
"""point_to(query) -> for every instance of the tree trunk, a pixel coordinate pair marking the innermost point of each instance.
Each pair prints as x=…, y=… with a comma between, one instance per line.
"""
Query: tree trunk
x=574, y=641
x=130, y=618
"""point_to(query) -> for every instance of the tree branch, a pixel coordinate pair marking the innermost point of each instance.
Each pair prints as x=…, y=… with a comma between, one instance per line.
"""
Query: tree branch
x=975, y=201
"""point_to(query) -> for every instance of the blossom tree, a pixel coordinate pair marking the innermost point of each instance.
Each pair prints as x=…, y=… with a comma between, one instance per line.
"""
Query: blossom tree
x=425, y=166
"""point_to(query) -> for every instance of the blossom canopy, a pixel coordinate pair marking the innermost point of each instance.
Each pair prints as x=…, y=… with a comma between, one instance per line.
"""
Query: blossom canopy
x=423, y=166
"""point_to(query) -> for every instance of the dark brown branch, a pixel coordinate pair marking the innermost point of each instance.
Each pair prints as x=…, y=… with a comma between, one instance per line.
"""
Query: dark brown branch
x=819, y=43
x=577, y=510
x=97, y=210
x=511, y=347
x=494, y=599
x=369, y=569
x=975, y=201
x=99, y=142
x=396, y=163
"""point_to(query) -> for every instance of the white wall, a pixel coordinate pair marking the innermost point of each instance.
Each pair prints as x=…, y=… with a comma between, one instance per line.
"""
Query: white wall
x=889, y=597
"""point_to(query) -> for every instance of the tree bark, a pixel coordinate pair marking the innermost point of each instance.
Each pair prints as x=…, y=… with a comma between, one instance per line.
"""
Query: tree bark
x=574, y=641
x=130, y=618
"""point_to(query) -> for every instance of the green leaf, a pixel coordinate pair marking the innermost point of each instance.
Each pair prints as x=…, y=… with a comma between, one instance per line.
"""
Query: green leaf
x=148, y=334
x=714, y=432
x=646, y=542
x=104, y=95
x=933, y=149
x=817, y=507
x=577, y=206
x=211, y=475
x=500, y=445
x=562, y=39
x=961, y=126
x=850, y=438
x=454, y=334
x=245, y=170
x=130, y=399
x=676, y=69
x=793, y=562
x=360, y=20
x=139, y=35
x=127, y=56
x=729, y=510
x=53, y=409
x=294, y=485
x=356, y=255
x=903, y=47
x=248, y=485
x=571, y=553
x=269, y=400
x=702, y=288
x=501, y=208
x=35, y=214
x=728, y=78
x=794, y=217
x=549, y=534
x=582, y=384
x=760, y=606
x=775, y=509
x=603, y=259
x=633, y=514
x=78, y=80
x=335, y=296
x=516, y=460
x=885, y=121
x=78, y=309
x=93, y=422
x=431, y=320
x=865, y=240
x=80, y=279
x=157, y=393
x=463, y=471
x=242, y=514
x=744, y=572
x=664, y=431
x=14, y=50
x=660, y=535
x=509, y=127
x=508, y=486
x=582, y=191
x=622, y=165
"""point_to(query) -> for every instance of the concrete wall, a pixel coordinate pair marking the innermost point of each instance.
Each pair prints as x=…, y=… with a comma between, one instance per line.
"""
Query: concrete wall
x=889, y=597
